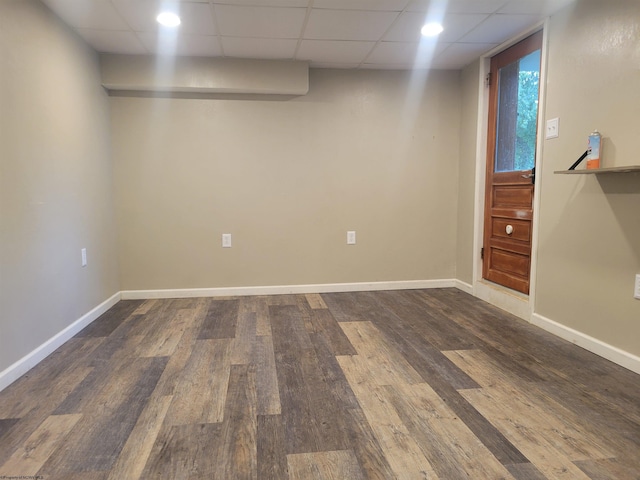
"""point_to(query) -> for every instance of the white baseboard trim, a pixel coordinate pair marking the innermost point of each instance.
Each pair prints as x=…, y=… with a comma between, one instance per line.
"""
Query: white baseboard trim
x=464, y=286
x=26, y=363
x=286, y=289
x=22, y=366
x=614, y=354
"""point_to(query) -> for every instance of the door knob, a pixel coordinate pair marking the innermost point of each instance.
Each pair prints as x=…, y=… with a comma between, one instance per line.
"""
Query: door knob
x=509, y=229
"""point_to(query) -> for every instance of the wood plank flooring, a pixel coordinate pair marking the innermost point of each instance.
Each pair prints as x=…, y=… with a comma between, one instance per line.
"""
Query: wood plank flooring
x=416, y=384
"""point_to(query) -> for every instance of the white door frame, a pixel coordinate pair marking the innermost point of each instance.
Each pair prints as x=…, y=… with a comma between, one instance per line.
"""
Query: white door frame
x=514, y=302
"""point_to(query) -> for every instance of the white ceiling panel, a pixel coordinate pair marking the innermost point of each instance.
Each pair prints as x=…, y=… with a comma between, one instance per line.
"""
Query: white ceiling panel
x=187, y=45
x=126, y=43
x=98, y=14
x=379, y=5
x=427, y=5
x=343, y=66
x=348, y=24
x=141, y=15
x=262, y=22
x=475, y=6
x=263, y=3
x=457, y=25
x=267, y=48
x=464, y=53
x=330, y=33
x=406, y=28
x=543, y=7
x=404, y=53
x=493, y=29
x=328, y=51
x=375, y=66
x=523, y=8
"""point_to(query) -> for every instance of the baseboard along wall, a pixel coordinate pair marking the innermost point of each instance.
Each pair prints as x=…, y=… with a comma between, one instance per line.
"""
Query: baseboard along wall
x=26, y=363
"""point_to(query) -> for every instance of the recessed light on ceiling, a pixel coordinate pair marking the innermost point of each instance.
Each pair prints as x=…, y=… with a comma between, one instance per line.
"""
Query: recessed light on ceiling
x=168, y=19
x=431, y=29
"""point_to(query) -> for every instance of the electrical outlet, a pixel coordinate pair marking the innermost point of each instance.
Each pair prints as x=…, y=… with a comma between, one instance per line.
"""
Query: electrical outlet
x=226, y=240
x=83, y=253
x=351, y=238
x=636, y=291
x=552, y=128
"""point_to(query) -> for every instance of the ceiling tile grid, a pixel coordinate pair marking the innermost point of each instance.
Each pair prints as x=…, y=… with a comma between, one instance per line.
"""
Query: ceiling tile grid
x=381, y=34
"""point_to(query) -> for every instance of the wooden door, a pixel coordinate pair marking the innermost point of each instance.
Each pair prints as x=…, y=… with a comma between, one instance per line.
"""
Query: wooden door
x=511, y=157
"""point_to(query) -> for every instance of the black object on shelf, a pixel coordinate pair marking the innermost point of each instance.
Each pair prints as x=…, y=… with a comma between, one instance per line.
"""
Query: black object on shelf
x=577, y=162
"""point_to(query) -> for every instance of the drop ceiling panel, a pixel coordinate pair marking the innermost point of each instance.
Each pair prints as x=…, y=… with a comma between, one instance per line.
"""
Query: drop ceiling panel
x=98, y=14
x=187, y=45
x=261, y=22
x=335, y=51
x=406, y=28
x=343, y=66
x=264, y=3
x=125, y=43
x=328, y=32
x=405, y=53
x=459, y=6
x=141, y=15
x=268, y=48
x=348, y=24
x=375, y=66
x=494, y=28
x=543, y=7
x=380, y=5
x=457, y=25
x=461, y=53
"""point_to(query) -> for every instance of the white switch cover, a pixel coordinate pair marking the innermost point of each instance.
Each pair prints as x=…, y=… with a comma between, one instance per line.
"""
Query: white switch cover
x=552, y=128
x=351, y=238
x=636, y=292
x=83, y=252
x=226, y=240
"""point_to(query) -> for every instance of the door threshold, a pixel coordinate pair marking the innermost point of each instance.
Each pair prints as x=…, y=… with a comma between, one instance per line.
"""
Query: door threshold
x=514, y=302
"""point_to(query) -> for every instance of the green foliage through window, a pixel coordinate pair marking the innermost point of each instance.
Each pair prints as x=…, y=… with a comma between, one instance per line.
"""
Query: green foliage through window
x=528, y=86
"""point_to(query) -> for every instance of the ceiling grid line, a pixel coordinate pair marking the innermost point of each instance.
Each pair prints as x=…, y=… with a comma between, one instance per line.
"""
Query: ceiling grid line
x=304, y=27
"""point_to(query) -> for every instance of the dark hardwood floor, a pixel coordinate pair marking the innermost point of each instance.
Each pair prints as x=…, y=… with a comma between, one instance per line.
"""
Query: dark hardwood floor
x=372, y=385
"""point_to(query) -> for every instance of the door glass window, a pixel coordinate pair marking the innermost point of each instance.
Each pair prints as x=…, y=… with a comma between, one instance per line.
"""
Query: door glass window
x=517, y=120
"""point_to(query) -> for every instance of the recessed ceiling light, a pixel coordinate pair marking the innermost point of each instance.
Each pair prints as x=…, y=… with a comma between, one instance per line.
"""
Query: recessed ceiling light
x=431, y=29
x=168, y=19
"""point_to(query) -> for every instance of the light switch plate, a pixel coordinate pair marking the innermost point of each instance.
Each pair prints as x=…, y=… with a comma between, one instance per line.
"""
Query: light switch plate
x=351, y=237
x=552, y=128
x=83, y=254
x=226, y=240
x=636, y=291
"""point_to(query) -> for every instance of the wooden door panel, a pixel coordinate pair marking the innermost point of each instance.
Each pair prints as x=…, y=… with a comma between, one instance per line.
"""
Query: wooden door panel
x=509, y=184
x=511, y=263
x=512, y=196
x=521, y=229
x=507, y=244
x=512, y=213
x=510, y=281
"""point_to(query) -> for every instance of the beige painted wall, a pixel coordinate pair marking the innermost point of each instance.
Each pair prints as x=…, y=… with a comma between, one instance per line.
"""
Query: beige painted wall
x=374, y=152
x=589, y=249
x=55, y=180
x=467, y=173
